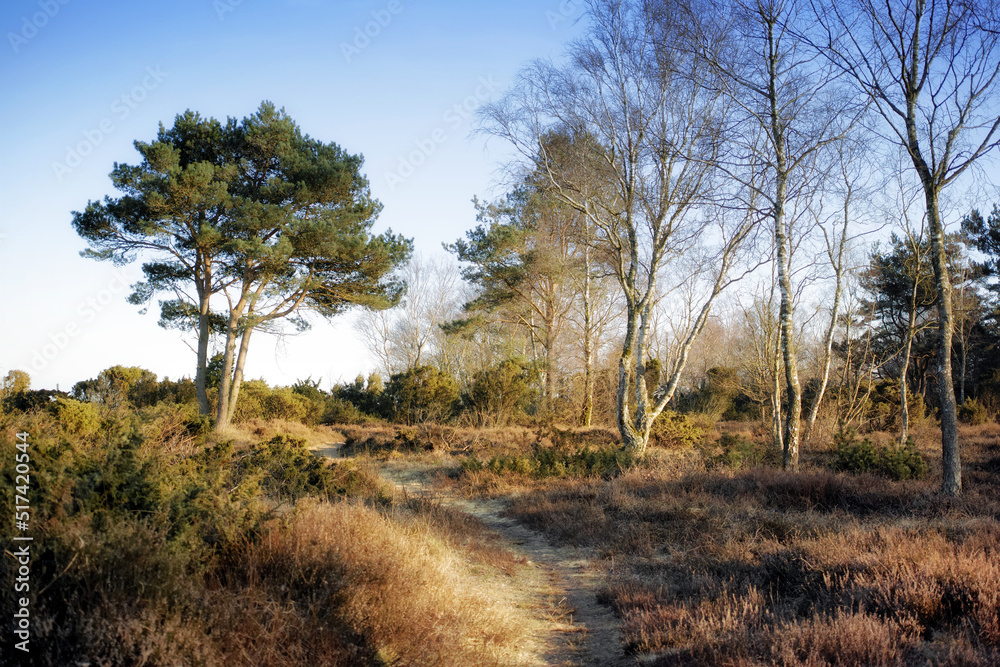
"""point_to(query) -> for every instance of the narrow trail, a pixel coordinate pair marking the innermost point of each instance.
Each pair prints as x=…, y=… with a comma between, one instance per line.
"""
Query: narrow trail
x=580, y=630
x=560, y=583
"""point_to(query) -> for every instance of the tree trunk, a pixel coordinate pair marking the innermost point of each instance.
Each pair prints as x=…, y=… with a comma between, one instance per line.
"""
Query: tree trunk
x=825, y=375
x=225, y=384
x=951, y=479
x=631, y=440
x=793, y=412
x=588, y=354
x=776, y=422
x=793, y=409
x=549, y=400
x=962, y=369
x=241, y=360
x=834, y=313
x=904, y=407
x=911, y=323
x=204, y=332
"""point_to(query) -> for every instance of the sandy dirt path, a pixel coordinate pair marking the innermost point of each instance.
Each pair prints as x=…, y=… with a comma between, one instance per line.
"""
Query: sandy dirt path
x=560, y=583
x=579, y=630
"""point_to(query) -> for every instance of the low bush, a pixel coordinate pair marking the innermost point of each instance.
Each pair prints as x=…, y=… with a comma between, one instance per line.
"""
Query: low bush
x=974, y=413
x=502, y=393
x=673, y=430
x=259, y=401
x=340, y=411
x=736, y=451
x=863, y=456
x=153, y=549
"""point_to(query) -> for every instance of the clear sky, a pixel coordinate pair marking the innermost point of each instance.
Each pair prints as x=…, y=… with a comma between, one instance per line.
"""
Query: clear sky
x=394, y=80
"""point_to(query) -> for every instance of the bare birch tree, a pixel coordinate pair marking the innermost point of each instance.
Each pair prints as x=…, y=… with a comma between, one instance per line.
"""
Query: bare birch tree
x=931, y=69
x=785, y=101
x=650, y=115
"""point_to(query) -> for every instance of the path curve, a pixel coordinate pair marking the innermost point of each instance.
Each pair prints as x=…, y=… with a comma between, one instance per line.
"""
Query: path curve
x=591, y=636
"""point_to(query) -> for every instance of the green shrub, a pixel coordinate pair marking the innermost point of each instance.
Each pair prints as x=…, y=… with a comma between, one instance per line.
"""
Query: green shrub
x=422, y=393
x=283, y=403
x=974, y=413
x=881, y=408
x=738, y=451
x=501, y=393
x=715, y=397
x=313, y=399
x=31, y=400
x=287, y=468
x=138, y=542
x=339, y=411
x=77, y=417
x=118, y=386
x=896, y=462
x=673, y=430
x=250, y=404
x=258, y=401
x=904, y=462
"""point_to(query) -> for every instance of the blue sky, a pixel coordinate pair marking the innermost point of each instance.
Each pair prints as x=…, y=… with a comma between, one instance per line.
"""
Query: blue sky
x=394, y=80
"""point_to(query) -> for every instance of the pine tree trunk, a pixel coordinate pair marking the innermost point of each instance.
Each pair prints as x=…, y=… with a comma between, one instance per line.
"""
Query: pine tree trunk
x=225, y=385
x=241, y=360
x=204, y=331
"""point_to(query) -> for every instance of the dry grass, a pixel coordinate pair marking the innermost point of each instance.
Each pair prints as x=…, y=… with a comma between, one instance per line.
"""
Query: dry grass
x=466, y=532
x=256, y=429
x=332, y=584
x=763, y=567
x=392, y=580
x=329, y=584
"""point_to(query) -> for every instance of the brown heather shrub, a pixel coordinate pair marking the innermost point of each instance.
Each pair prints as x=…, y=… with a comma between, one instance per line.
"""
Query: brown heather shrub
x=384, y=441
x=256, y=429
x=760, y=566
x=842, y=639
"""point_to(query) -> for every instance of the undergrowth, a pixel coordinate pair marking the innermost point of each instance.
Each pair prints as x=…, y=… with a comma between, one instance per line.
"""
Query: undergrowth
x=555, y=462
x=738, y=563
x=156, y=544
x=863, y=456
